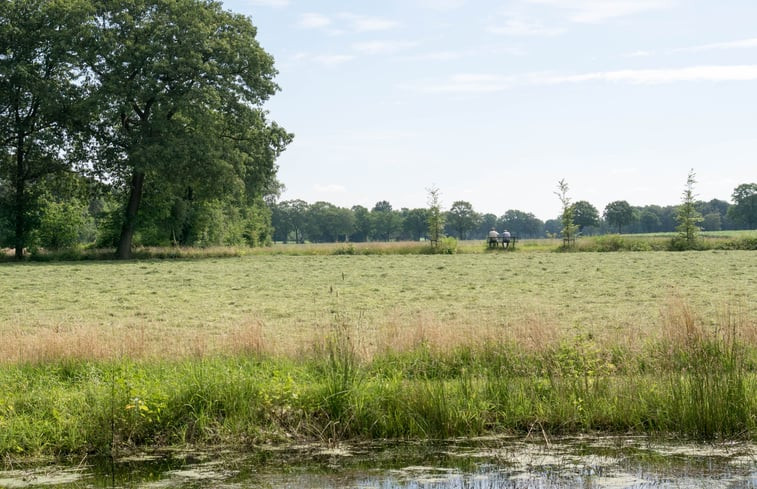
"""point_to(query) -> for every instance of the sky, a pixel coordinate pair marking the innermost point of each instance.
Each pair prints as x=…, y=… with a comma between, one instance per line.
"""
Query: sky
x=495, y=102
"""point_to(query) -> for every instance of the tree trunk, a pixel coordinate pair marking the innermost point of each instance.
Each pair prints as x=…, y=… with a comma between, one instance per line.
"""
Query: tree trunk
x=127, y=231
x=20, y=201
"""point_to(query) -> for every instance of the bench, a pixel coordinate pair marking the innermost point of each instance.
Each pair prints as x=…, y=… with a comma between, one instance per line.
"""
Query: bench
x=496, y=242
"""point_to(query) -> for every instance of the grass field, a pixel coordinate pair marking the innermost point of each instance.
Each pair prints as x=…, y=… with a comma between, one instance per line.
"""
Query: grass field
x=281, y=303
x=102, y=356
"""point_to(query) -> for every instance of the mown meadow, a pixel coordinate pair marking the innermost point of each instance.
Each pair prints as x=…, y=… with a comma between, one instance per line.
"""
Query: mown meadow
x=101, y=356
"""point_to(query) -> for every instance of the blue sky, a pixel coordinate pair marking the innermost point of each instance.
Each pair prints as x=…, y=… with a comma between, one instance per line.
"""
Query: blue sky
x=495, y=102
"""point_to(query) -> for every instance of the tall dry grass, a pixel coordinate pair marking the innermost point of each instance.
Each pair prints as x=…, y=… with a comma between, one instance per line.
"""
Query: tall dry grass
x=529, y=331
x=134, y=342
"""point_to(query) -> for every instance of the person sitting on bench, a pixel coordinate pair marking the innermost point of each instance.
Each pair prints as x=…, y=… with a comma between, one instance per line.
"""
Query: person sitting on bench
x=493, y=236
x=505, y=238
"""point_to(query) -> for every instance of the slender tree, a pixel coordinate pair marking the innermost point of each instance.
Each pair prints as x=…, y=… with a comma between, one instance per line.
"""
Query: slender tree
x=569, y=228
x=435, y=215
x=687, y=216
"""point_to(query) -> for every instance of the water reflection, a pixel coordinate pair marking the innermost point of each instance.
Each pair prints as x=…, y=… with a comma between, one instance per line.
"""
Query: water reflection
x=464, y=464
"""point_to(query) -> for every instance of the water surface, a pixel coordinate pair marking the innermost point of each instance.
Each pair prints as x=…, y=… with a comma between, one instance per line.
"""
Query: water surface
x=516, y=463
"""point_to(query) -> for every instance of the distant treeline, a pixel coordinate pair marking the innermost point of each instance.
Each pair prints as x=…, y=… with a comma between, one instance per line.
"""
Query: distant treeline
x=299, y=221
x=76, y=212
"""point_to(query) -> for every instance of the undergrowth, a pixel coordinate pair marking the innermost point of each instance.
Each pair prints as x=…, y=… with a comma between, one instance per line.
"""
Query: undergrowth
x=697, y=381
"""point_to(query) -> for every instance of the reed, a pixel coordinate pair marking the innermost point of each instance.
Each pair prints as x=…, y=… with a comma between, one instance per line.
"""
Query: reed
x=697, y=380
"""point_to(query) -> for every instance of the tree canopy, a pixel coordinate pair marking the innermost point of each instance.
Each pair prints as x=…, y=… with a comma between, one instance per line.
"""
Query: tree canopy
x=179, y=88
x=687, y=216
x=585, y=215
x=619, y=213
x=461, y=218
x=160, y=100
x=744, y=209
x=40, y=102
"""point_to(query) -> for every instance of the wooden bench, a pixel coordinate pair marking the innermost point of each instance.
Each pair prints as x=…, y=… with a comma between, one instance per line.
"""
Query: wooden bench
x=494, y=243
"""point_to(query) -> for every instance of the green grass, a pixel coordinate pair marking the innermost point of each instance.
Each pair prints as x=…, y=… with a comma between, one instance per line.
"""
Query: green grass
x=708, y=391
x=103, y=355
x=283, y=302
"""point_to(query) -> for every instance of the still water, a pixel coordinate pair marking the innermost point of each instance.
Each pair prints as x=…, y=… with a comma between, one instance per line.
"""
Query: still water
x=463, y=464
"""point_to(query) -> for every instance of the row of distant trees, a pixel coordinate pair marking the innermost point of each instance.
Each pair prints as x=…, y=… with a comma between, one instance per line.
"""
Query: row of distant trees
x=299, y=221
x=78, y=211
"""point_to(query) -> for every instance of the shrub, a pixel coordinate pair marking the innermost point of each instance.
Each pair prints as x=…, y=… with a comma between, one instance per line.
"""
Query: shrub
x=62, y=225
x=447, y=246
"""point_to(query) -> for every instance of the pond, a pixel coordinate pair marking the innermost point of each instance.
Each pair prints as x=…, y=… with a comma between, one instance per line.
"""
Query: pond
x=484, y=463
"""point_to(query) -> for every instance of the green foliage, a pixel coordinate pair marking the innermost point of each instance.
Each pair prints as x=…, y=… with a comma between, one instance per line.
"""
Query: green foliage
x=435, y=215
x=702, y=386
x=744, y=209
x=521, y=224
x=40, y=103
x=461, y=218
x=619, y=213
x=447, y=246
x=569, y=228
x=181, y=113
x=62, y=225
x=688, y=218
x=585, y=215
x=325, y=222
x=415, y=223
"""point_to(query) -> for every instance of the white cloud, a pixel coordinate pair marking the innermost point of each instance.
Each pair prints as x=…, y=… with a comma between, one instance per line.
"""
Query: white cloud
x=489, y=83
x=595, y=11
x=362, y=23
x=660, y=76
x=331, y=188
x=516, y=26
x=439, y=56
x=382, y=47
x=333, y=59
x=741, y=44
x=313, y=20
x=342, y=22
x=471, y=84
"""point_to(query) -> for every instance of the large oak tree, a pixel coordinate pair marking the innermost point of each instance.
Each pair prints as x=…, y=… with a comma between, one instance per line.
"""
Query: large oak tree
x=180, y=86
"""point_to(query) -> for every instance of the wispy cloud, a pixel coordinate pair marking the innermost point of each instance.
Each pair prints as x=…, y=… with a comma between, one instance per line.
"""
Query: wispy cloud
x=344, y=22
x=471, y=83
x=451, y=55
x=332, y=59
x=712, y=73
x=364, y=23
x=313, y=20
x=383, y=47
x=740, y=44
x=518, y=26
x=595, y=11
x=490, y=83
